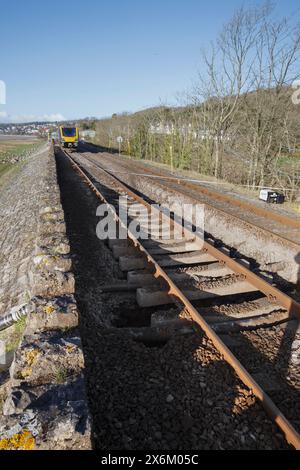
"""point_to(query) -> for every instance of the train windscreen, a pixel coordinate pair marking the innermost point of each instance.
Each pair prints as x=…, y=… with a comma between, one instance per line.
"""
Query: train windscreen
x=69, y=131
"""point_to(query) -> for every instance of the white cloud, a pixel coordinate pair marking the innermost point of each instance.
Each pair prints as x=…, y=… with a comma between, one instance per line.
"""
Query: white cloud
x=32, y=117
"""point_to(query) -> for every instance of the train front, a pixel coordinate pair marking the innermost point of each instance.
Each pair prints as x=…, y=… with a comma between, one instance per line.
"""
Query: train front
x=69, y=136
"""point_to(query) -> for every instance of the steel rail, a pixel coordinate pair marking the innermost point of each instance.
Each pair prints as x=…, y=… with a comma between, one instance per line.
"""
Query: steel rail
x=282, y=219
x=272, y=293
x=273, y=411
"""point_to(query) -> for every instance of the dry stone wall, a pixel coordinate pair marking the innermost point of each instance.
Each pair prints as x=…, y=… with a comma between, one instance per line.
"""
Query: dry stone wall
x=45, y=403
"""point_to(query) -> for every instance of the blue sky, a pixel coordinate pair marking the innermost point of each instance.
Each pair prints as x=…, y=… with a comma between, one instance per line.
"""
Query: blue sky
x=93, y=57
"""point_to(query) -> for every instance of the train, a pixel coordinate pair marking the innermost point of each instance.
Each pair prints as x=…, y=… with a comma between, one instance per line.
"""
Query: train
x=68, y=136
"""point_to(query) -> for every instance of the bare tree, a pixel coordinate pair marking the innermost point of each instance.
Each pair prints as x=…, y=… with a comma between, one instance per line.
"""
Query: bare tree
x=267, y=109
x=240, y=116
x=242, y=91
x=226, y=76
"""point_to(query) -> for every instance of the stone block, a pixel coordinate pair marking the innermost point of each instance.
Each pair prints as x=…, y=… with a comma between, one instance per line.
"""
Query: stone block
x=53, y=314
x=45, y=358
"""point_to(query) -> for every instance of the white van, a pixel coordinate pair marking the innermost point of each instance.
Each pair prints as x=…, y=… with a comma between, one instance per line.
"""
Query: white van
x=270, y=196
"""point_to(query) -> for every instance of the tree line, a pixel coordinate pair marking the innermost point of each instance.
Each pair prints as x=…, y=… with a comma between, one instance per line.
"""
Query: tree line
x=239, y=121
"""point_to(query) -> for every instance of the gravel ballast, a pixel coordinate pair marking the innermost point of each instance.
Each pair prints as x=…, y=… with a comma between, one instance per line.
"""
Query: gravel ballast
x=178, y=396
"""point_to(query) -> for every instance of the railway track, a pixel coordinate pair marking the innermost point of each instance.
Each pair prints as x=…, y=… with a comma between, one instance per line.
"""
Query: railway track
x=189, y=272
x=276, y=224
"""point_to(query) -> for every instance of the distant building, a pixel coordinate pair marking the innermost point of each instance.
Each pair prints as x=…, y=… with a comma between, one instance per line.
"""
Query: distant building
x=185, y=129
x=88, y=133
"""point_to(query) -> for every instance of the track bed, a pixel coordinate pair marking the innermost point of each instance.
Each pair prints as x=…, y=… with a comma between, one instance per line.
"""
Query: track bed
x=154, y=383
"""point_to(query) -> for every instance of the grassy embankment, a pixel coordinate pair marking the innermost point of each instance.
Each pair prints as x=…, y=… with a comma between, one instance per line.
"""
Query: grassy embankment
x=12, y=153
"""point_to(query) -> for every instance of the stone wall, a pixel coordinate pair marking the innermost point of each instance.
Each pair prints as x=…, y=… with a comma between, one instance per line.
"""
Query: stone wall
x=45, y=405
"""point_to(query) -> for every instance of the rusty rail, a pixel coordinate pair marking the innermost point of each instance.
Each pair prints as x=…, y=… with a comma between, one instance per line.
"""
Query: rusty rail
x=272, y=293
x=273, y=411
x=232, y=201
x=282, y=219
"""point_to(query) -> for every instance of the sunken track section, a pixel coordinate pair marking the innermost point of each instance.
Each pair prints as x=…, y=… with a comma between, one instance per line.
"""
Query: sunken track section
x=187, y=272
